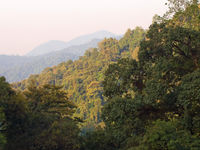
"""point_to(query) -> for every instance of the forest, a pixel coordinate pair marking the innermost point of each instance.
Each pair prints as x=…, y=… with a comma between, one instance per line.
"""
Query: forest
x=141, y=92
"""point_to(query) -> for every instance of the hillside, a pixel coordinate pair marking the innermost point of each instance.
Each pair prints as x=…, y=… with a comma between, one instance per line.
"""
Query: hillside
x=17, y=68
x=82, y=78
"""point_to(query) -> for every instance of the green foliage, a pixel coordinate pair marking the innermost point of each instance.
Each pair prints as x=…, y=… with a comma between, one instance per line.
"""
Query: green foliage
x=165, y=135
x=176, y=6
x=82, y=79
x=49, y=99
x=132, y=39
x=39, y=118
x=153, y=103
x=98, y=140
x=14, y=112
x=61, y=134
x=189, y=98
x=2, y=136
x=122, y=79
x=120, y=121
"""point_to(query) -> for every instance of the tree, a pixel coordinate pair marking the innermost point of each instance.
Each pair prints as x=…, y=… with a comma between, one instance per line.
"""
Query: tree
x=96, y=139
x=189, y=100
x=2, y=128
x=162, y=85
x=51, y=118
x=121, y=121
x=176, y=6
x=39, y=118
x=14, y=112
x=166, y=135
x=123, y=79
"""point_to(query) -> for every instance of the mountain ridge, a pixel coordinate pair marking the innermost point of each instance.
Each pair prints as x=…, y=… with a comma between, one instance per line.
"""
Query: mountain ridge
x=16, y=68
x=56, y=45
x=53, y=52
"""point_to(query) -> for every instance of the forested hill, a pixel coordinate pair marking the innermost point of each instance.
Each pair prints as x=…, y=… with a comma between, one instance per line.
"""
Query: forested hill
x=17, y=68
x=82, y=78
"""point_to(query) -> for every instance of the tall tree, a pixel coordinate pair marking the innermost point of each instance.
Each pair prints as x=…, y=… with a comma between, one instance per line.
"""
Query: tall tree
x=162, y=85
x=39, y=118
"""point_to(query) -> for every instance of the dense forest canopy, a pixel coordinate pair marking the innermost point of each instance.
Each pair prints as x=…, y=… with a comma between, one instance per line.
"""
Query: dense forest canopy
x=137, y=93
x=82, y=79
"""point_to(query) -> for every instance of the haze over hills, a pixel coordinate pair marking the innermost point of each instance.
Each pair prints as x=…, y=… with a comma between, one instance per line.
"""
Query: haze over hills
x=16, y=68
x=55, y=45
x=50, y=46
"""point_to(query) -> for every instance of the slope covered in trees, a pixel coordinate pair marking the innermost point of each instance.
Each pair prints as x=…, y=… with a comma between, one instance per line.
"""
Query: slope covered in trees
x=82, y=78
x=17, y=68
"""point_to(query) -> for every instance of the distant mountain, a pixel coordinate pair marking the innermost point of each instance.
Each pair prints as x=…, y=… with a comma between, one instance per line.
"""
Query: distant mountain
x=78, y=50
x=17, y=71
x=17, y=68
x=54, y=45
x=96, y=35
x=47, y=47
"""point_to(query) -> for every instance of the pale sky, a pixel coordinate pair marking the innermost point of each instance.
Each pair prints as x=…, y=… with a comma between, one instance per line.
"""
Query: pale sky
x=25, y=24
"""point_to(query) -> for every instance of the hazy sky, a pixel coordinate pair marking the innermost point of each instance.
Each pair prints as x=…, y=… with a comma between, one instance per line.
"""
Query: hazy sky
x=25, y=24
